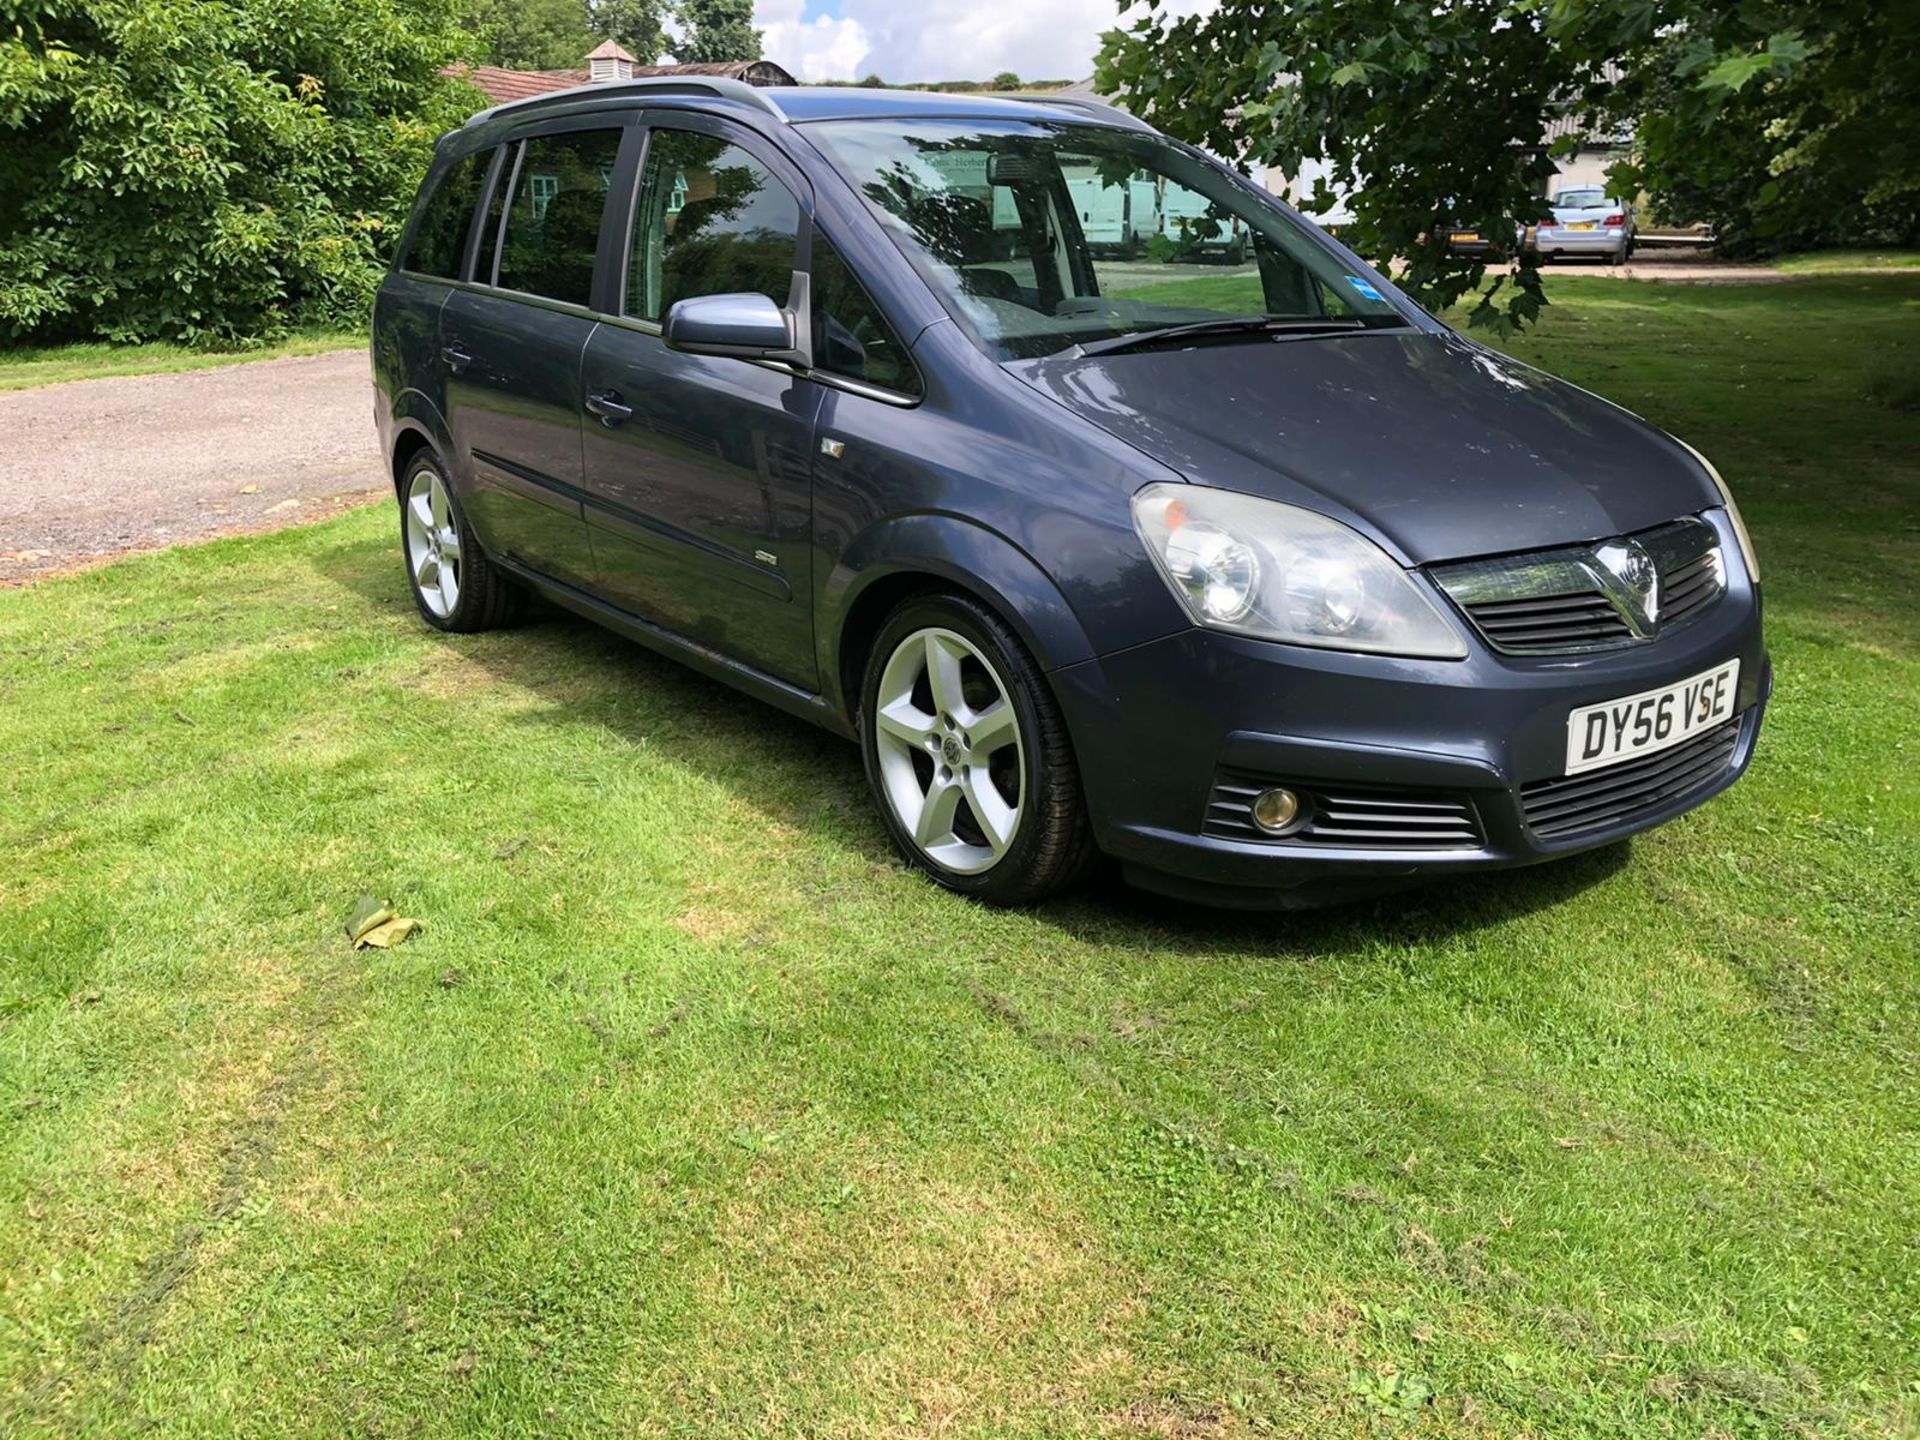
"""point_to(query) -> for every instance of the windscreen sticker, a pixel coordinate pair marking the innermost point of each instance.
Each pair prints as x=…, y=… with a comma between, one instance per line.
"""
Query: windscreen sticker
x=1365, y=287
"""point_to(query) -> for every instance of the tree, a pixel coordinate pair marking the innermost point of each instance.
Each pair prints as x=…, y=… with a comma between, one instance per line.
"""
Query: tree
x=1431, y=115
x=1005, y=80
x=534, y=34
x=636, y=24
x=718, y=30
x=199, y=169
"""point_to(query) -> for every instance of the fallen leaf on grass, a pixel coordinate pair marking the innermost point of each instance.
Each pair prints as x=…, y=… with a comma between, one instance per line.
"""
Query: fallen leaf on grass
x=376, y=922
x=512, y=848
x=390, y=934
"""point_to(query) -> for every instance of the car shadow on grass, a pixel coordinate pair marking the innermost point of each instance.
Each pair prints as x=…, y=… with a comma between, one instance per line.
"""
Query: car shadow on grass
x=804, y=777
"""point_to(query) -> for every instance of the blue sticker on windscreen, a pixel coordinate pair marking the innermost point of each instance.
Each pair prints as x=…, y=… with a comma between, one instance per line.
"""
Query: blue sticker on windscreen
x=1365, y=287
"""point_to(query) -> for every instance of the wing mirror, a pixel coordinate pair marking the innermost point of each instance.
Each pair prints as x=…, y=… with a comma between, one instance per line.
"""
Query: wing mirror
x=745, y=326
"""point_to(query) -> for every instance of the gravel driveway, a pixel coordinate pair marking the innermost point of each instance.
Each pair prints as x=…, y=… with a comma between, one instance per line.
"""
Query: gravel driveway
x=94, y=468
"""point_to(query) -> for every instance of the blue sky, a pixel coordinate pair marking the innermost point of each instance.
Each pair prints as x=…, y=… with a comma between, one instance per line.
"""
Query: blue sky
x=912, y=40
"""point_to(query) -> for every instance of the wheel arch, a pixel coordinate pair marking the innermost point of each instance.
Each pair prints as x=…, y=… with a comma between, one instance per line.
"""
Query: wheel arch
x=922, y=554
x=417, y=425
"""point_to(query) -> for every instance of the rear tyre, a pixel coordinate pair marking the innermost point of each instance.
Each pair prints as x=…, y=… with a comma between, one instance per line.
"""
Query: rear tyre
x=455, y=586
x=968, y=755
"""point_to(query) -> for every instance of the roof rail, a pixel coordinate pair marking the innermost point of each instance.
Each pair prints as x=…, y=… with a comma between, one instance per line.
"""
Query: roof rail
x=1098, y=109
x=718, y=86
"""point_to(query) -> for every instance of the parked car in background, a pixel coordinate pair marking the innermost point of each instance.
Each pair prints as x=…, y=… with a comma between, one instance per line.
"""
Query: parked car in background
x=1264, y=584
x=1464, y=237
x=1586, y=221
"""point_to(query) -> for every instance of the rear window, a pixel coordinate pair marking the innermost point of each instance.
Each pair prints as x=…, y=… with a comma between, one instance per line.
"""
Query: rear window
x=553, y=221
x=440, y=240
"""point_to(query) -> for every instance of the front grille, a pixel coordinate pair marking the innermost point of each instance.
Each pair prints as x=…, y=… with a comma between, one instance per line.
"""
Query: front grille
x=1571, y=805
x=1553, y=622
x=1690, y=586
x=1573, y=599
x=1347, y=817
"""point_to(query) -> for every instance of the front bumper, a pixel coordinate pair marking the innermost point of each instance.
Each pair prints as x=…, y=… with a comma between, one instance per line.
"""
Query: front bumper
x=1157, y=726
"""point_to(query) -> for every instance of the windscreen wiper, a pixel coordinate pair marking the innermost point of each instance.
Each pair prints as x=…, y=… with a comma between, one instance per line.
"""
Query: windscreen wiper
x=1226, y=328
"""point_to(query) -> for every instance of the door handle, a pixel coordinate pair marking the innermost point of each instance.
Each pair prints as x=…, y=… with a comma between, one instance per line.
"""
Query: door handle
x=606, y=404
x=456, y=358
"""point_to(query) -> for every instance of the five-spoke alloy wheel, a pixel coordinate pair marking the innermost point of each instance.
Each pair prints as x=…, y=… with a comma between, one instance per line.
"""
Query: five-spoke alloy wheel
x=968, y=755
x=433, y=543
x=454, y=583
x=949, y=750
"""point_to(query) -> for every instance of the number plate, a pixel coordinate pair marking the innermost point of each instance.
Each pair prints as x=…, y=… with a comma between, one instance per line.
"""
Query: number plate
x=1654, y=720
x=1581, y=225
x=1466, y=237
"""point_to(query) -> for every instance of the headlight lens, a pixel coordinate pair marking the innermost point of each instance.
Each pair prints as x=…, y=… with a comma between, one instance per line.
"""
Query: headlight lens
x=1733, y=513
x=1261, y=568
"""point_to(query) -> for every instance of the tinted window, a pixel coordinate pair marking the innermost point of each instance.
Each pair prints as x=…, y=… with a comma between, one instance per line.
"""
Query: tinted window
x=440, y=243
x=850, y=336
x=553, y=222
x=709, y=220
x=489, y=248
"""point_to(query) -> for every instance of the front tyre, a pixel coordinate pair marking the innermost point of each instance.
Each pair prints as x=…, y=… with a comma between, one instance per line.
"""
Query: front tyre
x=968, y=755
x=454, y=585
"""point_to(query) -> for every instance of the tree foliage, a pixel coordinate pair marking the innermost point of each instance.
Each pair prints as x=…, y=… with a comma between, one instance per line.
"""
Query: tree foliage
x=718, y=30
x=639, y=25
x=193, y=169
x=1750, y=115
x=533, y=34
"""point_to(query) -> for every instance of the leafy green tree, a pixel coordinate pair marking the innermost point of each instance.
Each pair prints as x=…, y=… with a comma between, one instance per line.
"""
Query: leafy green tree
x=193, y=169
x=718, y=30
x=636, y=24
x=534, y=34
x=1432, y=115
x=1005, y=80
x=1805, y=136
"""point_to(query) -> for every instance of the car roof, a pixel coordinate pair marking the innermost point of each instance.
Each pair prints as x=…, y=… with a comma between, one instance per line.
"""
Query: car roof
x=795, y=104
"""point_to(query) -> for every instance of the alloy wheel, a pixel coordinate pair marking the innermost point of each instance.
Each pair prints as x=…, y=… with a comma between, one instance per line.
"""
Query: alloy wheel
x=433, y=543
x=951, y=759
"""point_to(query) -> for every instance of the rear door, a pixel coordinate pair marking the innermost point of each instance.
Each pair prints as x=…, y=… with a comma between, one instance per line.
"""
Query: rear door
x=512, y=343
x=698, y=469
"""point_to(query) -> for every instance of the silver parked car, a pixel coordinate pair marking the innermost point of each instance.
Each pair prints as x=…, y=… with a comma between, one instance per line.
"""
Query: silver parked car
x=1587, y=221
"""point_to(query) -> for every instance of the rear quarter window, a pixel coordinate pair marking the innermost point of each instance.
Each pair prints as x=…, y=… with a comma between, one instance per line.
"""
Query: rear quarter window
x=439, y=241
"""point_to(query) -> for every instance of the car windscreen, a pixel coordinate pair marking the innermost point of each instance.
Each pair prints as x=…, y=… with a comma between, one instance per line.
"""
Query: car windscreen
x=1580, y=200
x=1041, y=236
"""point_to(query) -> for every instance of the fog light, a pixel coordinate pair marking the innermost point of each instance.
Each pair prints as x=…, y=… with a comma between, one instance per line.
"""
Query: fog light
x=1276, y=810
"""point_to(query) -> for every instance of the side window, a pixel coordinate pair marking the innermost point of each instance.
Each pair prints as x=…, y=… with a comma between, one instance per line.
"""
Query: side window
x=709, y=220
x=440, y=242
x=850, y=336
x=553, y=219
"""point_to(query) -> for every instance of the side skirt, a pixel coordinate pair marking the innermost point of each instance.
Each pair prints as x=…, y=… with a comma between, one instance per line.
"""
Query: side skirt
x=711, y=663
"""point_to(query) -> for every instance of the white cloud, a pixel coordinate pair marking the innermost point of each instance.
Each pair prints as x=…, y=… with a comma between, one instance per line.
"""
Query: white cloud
x=821, y=48
x=914, y=40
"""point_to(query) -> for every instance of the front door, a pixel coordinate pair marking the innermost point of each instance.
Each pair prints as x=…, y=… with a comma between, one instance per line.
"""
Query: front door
x=512, y=344
x=698, y=469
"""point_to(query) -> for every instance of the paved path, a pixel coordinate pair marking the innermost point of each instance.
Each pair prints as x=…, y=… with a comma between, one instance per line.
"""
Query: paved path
x=95, y=468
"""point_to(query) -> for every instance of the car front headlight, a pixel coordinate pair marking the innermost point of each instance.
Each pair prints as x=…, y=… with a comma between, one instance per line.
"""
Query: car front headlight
x=1278, y=572
x=1733, y=513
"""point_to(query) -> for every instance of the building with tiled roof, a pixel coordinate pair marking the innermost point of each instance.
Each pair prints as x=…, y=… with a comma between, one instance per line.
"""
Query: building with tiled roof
x=608, y=62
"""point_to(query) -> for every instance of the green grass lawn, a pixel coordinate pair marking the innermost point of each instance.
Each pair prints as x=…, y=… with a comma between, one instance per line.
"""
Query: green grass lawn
x=22, y=368
x=692, y=1114
x=1816, y=262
